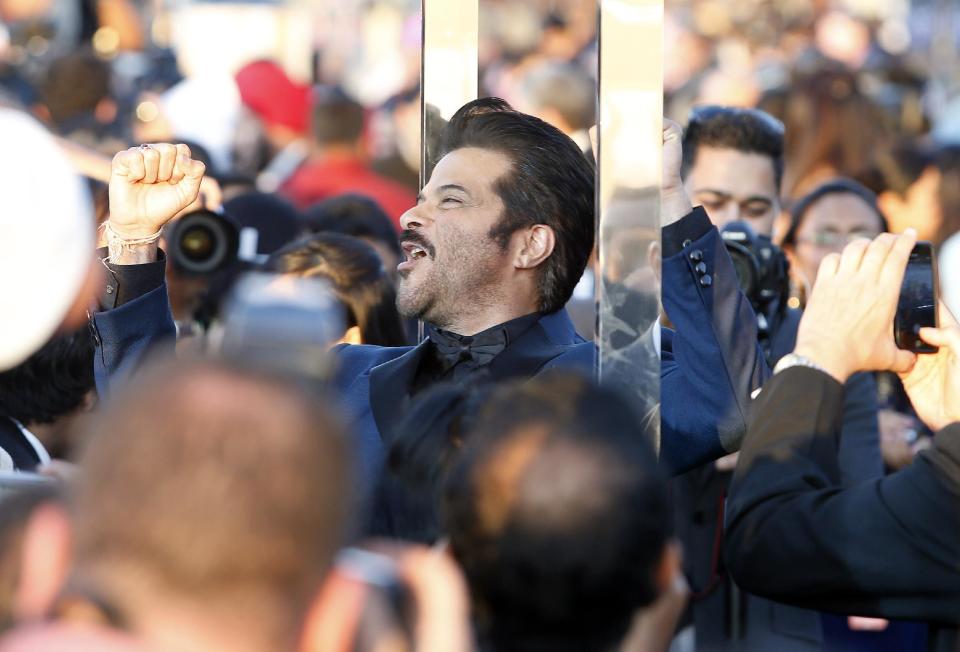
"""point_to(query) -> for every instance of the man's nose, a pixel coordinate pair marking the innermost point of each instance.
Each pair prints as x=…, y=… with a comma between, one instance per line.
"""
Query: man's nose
x=730, y=212
x=412, y=219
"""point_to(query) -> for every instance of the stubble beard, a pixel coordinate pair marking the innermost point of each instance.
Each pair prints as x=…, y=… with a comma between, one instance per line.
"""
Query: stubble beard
x=443, y=297
x=414, y=300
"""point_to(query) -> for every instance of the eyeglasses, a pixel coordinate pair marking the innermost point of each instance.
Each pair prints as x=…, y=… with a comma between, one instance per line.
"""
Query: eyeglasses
x=708, y=112
x=834, y=240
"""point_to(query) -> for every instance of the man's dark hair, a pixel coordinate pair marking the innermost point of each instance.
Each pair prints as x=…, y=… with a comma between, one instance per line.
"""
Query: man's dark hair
x=355, y=215
x=357, y=278
x=207, y=482
x=550, y=182
x=557, y=513
x=838, y=186
x=744, y=130
x=51, y=383
x=74, y=84
x=337, y=119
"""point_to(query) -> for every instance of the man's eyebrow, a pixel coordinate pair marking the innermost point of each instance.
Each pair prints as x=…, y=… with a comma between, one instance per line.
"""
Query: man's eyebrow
x=725, y=195
x=453, y=186
x=421, y=197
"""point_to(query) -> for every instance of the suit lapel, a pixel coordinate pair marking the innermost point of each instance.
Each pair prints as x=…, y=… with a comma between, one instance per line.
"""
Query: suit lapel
x=541, y=343
x=390, y=388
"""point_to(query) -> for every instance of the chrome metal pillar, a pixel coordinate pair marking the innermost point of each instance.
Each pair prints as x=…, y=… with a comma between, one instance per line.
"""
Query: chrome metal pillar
x=628, y=198
x=448, y=72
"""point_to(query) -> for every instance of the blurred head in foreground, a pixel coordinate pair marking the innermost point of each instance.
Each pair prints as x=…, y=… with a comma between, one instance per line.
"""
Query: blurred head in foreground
x=210, y=504
x=46, y=231
x=558, y=515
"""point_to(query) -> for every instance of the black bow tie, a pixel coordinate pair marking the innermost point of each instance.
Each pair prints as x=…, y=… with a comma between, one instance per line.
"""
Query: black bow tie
x=470, y=352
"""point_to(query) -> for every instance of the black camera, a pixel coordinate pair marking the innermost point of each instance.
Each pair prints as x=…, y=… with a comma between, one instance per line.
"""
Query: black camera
x=762, y=272
x=203, y=242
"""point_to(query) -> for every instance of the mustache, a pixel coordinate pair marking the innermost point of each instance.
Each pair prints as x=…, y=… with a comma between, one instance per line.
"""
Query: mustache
x=414, y=237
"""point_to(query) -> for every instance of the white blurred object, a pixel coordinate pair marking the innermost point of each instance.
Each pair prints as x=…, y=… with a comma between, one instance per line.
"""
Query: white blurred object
x=947, y=128
x=205, y=110
x=217, y=38
x=46, y=237
x=949, y=264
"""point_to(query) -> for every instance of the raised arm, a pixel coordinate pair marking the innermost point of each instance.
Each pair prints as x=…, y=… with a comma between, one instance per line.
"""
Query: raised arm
x=711, y=360
x=149, y=185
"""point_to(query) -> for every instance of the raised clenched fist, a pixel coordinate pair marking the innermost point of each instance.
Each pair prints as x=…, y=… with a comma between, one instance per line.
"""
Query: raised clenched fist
x=149, y=185
x=672, y=155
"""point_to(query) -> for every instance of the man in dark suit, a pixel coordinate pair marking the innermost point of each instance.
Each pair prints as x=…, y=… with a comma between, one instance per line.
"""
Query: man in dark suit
x=889, y=547
x=732, y=165
x=499, y=238
x=494, y=247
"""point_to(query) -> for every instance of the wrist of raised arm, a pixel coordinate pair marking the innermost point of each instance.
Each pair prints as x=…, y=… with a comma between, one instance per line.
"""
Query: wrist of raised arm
x=674, y=205
x=130, y=246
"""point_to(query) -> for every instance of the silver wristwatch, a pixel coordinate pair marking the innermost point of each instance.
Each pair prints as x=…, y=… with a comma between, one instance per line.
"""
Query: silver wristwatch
x=794, y=360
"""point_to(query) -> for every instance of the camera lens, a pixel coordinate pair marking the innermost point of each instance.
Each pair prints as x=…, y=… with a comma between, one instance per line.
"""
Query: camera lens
x=197, y=243
x=203, y=242
x=744, y=268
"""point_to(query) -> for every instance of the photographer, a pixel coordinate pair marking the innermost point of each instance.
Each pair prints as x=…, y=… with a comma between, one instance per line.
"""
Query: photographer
x=885, y=548
x=733, y=166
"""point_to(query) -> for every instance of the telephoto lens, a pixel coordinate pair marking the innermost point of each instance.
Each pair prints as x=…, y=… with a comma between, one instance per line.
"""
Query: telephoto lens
x=202, y=242
x=761, y=266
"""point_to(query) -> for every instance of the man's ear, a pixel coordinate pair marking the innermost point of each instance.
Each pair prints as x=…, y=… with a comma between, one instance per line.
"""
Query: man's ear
x=44, y=561
x=535, y=247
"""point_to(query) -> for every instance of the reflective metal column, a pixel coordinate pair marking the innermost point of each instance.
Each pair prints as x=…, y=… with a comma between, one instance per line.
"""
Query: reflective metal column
x=628, y=202
x=448, y=77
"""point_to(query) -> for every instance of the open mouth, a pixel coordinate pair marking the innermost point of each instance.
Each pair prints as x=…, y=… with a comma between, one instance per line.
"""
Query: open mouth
x=412, y=253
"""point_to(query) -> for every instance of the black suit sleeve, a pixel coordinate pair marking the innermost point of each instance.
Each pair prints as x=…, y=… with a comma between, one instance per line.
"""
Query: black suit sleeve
x=124, y=283
x=888, y=548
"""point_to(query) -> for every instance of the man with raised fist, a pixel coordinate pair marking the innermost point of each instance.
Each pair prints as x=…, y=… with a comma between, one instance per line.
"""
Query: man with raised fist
x=149, y=185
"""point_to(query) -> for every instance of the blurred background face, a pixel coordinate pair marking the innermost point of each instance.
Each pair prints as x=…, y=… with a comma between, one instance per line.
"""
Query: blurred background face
x=733, y=185
x=828, y=226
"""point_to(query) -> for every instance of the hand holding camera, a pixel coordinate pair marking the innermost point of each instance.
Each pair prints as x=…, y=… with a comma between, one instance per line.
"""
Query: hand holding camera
x=847, y=324
x=933, y=384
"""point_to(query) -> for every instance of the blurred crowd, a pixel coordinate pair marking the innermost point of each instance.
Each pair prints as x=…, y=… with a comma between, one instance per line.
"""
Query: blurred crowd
x=213, y=440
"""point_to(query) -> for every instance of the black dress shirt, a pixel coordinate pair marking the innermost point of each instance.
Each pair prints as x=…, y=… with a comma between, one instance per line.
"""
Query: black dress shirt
x=456, y=358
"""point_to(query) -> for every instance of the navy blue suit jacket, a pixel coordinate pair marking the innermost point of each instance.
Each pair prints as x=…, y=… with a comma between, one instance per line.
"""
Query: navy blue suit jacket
x=710, y=360
x=375, y=381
